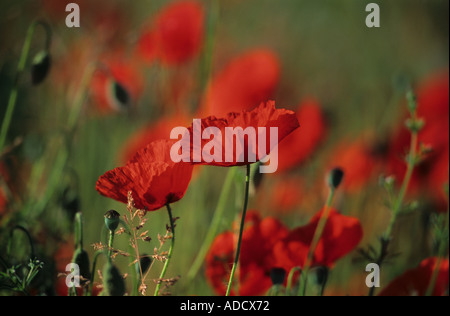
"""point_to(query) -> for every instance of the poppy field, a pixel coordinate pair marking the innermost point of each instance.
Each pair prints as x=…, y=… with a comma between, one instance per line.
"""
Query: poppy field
x=224, y=148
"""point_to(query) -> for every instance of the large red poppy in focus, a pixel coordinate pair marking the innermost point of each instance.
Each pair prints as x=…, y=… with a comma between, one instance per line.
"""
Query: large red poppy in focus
x=266, y=116
x=255, y=262
x=415, y=282
x=340, y=236
x=152, y=177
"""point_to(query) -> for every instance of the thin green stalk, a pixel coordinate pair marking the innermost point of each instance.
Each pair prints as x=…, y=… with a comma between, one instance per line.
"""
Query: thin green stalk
x=316, y=238
x=291, y=278
x=169, y=255
x=441, y=254
x=20, y=69
x=241, y=231
x=94, y=264
x=110, y=244
x=214, y=227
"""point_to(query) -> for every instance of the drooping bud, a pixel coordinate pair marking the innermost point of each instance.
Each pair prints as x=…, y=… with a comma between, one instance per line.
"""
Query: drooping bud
x=112, y=220
x=335, y=178
x=277, y=275
x=81, y=258
x=40, y=67
x=113, y=282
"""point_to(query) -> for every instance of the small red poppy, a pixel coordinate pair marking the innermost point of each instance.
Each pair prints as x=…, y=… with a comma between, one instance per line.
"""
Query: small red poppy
x=255, y=263
x=244, y=83
x=300, y=145
x=340, y=236
x=116, y=86
x=152, y=177
x=415, y=282
x=176, y=34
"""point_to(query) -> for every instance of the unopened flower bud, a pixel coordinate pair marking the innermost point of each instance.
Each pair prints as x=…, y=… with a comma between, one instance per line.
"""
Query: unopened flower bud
x=335, y=178
x=113, y=282
x=277, y=275
x=40, y=67
x=81, y=258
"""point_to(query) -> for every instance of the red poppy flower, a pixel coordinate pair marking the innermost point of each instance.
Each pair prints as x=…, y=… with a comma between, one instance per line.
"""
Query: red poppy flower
x=255, y=263
x=156, y=131
x=340, y=236
x=152, y=177
x=243, y=84
x=246, y=149
x=358, y=163
x=176, y=35
x=415, y=282
x=286, y=195
x=299, y=146
x=116, y=86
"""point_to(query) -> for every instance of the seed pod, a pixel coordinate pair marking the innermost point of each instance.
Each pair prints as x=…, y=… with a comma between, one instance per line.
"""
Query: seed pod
x=113, y=283
x=112, y=220
x=40, y=67
x=81, y=258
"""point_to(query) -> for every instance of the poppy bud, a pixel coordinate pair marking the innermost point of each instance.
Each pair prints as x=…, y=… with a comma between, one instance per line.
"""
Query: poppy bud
x=320, y=275
x=81, y=258
x=40, y=67
x=335, y=178
x=145, y=265
x=113, y=283
x=112, y=220
x=119, y=95
x=277, y=275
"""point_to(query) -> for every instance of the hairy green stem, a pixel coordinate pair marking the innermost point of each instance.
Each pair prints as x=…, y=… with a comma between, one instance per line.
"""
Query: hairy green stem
x=169, y=255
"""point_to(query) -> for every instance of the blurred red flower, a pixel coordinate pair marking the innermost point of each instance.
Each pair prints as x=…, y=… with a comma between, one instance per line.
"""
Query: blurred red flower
x=433, y=107
x=176, y=34
x=358, y=162
x=155, y=131
x=2, y=202
x=255, y=262
x=299, y=145
x=286, y=195
x=244, y=83
x=340, y=236
x=265, y=115
x=152, y=177
x=415, y=282
x=116, y=86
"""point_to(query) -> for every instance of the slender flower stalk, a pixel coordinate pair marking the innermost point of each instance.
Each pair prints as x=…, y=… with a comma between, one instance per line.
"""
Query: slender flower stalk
x=241, y=230
x=214, y=227
x=20, y=69
x=317, y=236
x=169, y=255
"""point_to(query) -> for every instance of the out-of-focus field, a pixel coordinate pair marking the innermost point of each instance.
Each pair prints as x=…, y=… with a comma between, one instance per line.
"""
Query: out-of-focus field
x=326, y=52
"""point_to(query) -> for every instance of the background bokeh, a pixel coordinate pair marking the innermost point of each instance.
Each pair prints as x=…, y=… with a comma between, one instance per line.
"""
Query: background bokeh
x=326, y=52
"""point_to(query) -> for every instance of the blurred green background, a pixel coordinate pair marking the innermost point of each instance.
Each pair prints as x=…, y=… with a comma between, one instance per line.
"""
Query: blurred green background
x=326, y=51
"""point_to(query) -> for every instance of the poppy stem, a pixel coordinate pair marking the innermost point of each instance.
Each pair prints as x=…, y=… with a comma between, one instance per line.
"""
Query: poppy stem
x=411, y=161
x=441, y=254
x=169, y=255
x=315, y=241
x=241, y=230
x=214, y=227
x=20, y=68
